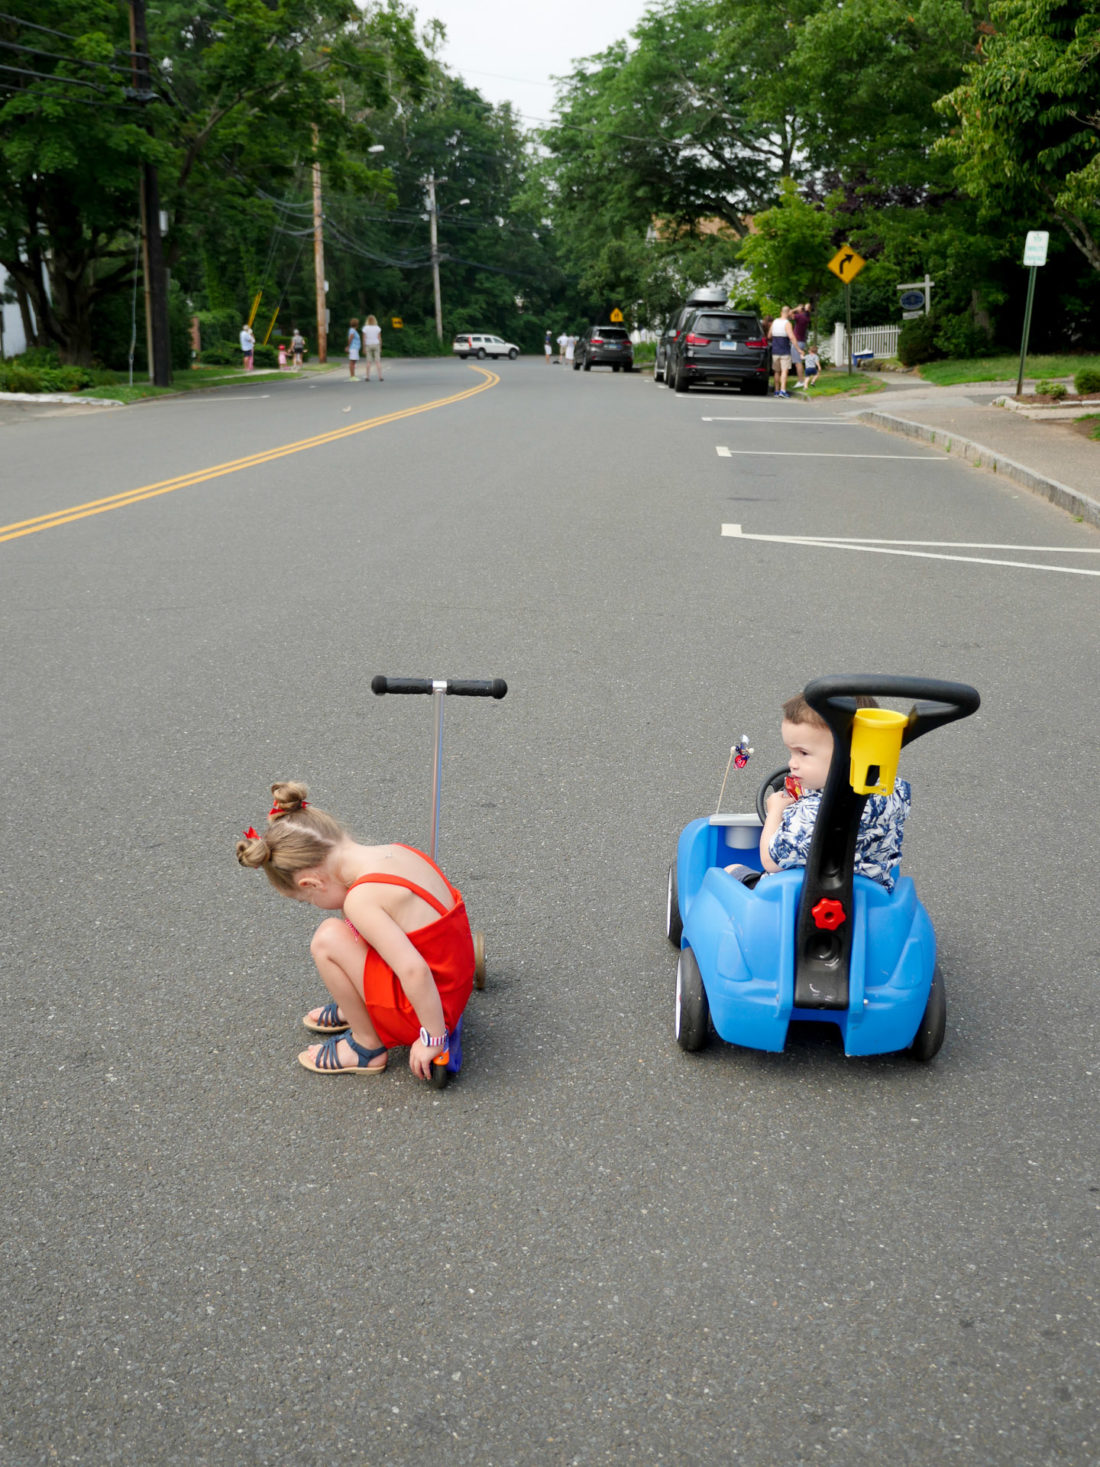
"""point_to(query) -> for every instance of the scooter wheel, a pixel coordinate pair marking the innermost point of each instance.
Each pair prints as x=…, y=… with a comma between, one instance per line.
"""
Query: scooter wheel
x=692, y=1008
x=439, y=1076
x=929, y=1036
x=479, y=959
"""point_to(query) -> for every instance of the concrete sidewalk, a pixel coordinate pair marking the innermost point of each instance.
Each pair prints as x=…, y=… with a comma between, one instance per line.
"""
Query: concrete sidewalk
x=1049, y=458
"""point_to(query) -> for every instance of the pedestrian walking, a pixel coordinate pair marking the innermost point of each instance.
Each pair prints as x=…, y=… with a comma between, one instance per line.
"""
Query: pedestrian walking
x=570, y=351
x=353, y=345
x=282, y=355
x=248, y=346
x=297, y=346
x=548, y=349
x=562, y=339
x=372, y=347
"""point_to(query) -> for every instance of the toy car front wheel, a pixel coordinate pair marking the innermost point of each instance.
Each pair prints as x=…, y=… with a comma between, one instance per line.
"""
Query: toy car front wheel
x=674, y=926
x=692, y=1008
x=929, y=1036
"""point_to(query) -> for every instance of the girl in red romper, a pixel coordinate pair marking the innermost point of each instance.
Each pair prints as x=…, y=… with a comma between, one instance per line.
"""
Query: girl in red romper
x=398, y=960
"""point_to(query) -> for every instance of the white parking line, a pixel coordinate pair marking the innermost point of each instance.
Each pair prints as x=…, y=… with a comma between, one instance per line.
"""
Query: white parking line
x=889, y=547
x=788, y=453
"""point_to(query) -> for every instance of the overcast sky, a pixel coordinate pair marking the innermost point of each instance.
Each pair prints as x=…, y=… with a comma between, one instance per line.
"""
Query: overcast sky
x=509, y=50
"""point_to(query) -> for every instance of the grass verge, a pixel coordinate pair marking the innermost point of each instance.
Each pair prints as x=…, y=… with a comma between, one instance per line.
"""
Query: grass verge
x=194, y=380
x=956, y=370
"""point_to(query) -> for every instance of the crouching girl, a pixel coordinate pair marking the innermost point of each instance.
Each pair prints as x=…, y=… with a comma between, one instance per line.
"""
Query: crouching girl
x=398, y=961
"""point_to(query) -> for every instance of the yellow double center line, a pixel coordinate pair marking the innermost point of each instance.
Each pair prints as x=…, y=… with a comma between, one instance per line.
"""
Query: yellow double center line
x=253, y=460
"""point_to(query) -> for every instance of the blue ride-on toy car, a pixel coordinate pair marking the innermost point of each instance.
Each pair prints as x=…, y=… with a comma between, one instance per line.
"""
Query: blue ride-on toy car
x=816, y=943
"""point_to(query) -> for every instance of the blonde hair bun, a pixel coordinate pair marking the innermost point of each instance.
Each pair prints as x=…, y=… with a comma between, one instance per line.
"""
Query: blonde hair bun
x=288, y=797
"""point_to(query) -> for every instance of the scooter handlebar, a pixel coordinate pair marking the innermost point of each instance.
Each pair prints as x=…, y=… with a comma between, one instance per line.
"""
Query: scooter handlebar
x=456, y=687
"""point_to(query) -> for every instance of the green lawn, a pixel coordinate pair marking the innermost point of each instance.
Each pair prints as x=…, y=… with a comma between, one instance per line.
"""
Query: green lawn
x=1002, y=369
x=193, y=379
x=832, y=381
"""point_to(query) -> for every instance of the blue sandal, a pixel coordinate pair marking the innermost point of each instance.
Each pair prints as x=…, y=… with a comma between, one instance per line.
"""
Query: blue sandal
x=326, y=1061
x=328, y=1021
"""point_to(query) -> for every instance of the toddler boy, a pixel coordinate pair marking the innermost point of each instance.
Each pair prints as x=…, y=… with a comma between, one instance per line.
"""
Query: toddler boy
x=789, y=826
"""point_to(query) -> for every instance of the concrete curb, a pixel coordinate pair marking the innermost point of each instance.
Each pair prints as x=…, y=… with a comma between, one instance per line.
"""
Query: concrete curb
x=1073, y=501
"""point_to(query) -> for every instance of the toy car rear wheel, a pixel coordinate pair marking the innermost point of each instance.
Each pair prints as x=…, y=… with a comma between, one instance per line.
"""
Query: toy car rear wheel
x=929, y=1036
x=674, y=926
x=692, y=1008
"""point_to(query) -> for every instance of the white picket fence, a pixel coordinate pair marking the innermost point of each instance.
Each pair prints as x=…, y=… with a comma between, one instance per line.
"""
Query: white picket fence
x=881, y=340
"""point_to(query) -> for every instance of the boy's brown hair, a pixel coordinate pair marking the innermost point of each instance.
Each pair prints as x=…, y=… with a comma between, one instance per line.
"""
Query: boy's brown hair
x=797, y=710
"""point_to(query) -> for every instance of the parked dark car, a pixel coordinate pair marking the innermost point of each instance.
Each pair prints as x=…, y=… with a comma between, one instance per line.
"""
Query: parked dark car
x=727, y=348
x=713, y=296
x=604, y=346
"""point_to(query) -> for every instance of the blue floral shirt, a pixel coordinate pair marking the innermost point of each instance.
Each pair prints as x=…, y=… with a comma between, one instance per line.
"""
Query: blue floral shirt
x=878, y=844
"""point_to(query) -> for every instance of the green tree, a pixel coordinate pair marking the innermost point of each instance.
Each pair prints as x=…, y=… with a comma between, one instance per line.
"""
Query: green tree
x=787, y=254
x=241, y=91
x=1028, y=142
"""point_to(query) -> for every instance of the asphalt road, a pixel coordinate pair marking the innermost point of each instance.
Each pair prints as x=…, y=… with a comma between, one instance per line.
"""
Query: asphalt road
x=592, y=1248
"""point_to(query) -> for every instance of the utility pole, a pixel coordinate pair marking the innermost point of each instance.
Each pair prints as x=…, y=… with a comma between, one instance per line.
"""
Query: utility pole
x=433, y=224
x=319, y=255
x=157, y=339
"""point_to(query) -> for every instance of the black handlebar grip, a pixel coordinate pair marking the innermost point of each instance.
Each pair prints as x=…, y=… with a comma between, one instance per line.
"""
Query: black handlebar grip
x=494, y=687
x=381, y=684
x=458, y=687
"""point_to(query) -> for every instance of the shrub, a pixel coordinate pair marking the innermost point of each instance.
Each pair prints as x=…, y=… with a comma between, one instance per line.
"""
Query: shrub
x=264, y=356
x=917, y=341
x=221, y=355
x=19, y=379
x=959, y=335
x=1087, y=380
x=216, y=327
x=1057, y=390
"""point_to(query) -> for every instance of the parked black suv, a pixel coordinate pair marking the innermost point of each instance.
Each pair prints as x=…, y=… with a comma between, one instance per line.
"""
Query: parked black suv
x=604, y=346
x=725, y=347
x=713, y=296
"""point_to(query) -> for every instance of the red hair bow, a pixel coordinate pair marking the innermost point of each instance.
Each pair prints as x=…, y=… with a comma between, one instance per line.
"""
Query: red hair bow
x=251, y=834
x=280, y=810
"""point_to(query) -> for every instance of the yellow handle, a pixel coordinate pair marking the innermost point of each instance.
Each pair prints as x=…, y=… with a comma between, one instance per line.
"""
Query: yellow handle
x=876, y=744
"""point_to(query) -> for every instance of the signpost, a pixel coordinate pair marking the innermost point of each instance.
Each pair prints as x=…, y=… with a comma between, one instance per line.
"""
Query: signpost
x=1035, y=254
x=616, y=315
x=846, y=265
x=916, y=298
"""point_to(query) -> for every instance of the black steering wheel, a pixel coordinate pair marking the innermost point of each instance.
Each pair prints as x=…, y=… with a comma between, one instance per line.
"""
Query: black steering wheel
x=774, y=781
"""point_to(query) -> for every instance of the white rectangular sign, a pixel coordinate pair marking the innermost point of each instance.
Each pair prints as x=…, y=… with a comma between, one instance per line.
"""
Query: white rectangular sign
x=1035, y=247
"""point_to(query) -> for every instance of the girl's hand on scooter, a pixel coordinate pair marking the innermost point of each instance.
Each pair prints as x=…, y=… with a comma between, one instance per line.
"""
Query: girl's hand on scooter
x=420, y=1059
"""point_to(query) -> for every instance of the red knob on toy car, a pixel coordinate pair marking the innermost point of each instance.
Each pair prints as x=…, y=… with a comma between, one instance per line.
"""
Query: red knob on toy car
x=828, y=913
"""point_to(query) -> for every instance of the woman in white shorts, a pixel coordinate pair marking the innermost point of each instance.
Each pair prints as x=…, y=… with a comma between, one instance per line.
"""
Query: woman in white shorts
x=372, y=347
x=782, y=346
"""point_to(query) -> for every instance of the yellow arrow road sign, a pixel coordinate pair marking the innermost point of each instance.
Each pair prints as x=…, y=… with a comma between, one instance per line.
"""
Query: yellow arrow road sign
x=846, y=264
